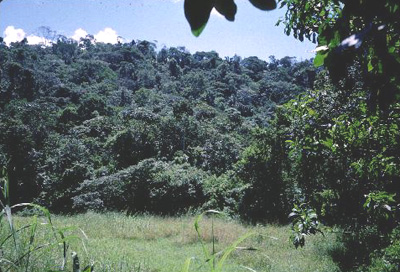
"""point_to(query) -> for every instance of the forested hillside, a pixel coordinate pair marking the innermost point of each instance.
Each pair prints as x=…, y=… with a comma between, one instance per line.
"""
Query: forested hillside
x=129, y=127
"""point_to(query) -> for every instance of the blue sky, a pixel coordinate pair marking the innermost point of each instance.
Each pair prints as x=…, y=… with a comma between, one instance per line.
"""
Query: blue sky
x=252, y=34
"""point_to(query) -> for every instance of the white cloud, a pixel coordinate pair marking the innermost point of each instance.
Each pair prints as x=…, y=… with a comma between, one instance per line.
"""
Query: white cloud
x=12, y=34
x=108, y=35
x=78, y=34
x=33, y=39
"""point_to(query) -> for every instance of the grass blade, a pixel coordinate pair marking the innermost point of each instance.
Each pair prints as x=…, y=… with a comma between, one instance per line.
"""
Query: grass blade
x=231, y=248
x=11, y=235
x=248, y=268
x=7, y=210
x=186, y=265
x=31, y=240
x=197, y=228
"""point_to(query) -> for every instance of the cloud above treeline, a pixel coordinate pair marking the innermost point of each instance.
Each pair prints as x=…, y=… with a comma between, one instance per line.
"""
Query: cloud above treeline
x=108, y=35
x=79, y=33
x=12, y=34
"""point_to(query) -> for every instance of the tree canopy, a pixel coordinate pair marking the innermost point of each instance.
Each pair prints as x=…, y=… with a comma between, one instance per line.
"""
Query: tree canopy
x=75, y=117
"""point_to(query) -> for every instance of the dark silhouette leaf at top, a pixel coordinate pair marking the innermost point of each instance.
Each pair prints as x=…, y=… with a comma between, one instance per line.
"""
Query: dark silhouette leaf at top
x=264, y=4
x=197, y=13
x=227, y=8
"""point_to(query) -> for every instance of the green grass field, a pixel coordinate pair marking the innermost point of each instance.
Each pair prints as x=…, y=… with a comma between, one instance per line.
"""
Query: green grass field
x=115, y=242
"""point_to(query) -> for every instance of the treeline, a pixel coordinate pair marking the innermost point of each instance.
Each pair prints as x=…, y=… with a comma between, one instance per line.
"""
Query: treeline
x=128, y=127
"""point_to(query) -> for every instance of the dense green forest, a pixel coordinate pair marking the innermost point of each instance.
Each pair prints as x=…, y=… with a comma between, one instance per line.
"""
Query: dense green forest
x=132, y=128
x=126, y=127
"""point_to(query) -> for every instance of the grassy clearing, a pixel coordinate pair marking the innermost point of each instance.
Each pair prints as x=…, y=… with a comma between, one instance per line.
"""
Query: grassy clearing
x=148, y=243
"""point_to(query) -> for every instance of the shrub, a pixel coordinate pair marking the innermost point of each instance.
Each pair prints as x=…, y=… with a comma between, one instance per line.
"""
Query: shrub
x=224, y=192
x=388, y=259
x=150, y=186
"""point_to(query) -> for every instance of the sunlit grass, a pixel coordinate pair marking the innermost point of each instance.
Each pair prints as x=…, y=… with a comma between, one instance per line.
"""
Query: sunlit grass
x=116, y=242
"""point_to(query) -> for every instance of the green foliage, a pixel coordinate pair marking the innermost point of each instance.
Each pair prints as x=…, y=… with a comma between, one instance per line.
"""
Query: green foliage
x=129, y=147
x=261, y=166
x=367, y=31
x=342, y=163
x=304, y=222
x=329, y=149
x=351, y=141
x=224, y=192
x=128, y=127
x=150, y=186
x=378, y=205
x=388, y=259
x=91, y=105
x=91, y=71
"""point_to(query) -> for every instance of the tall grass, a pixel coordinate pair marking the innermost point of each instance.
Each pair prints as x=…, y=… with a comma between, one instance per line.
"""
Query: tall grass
x=23, y=245
x=146, y=243
x=216, y=263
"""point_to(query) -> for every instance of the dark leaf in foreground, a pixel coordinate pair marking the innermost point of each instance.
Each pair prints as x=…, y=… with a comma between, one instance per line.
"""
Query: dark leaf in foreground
x=227, y=8
x=197, y=13
x=264, y=4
